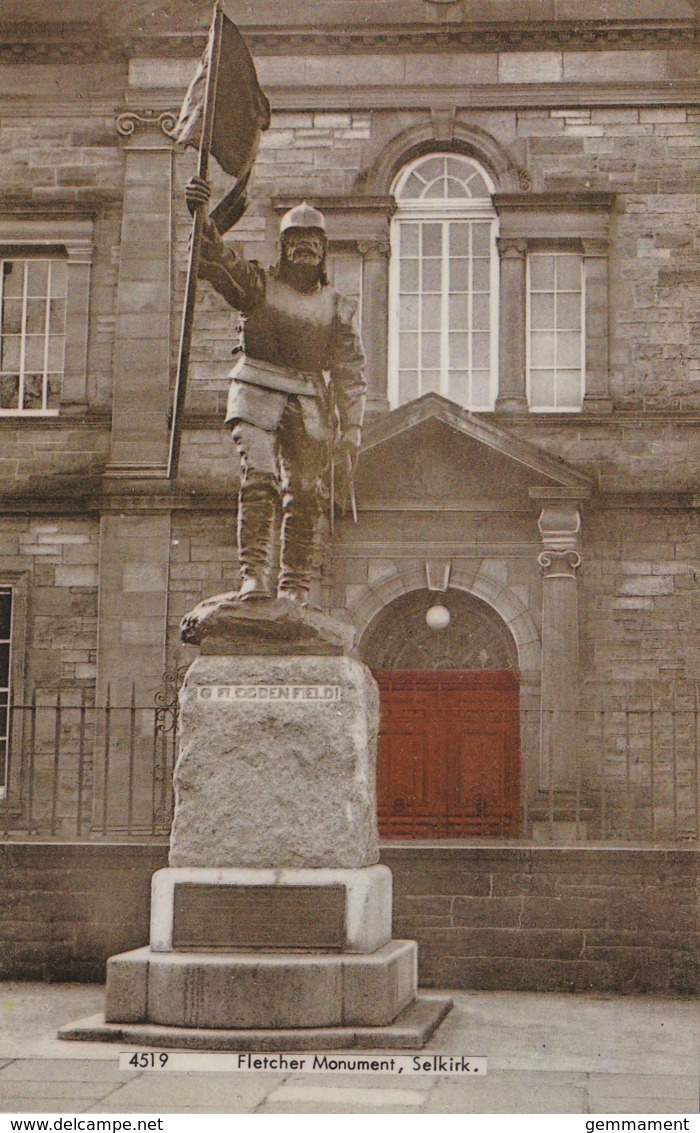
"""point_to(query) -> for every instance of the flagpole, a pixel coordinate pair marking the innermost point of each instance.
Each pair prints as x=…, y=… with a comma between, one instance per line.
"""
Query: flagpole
x=196, y=243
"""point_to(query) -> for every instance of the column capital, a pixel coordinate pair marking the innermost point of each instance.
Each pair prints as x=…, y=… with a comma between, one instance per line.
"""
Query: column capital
x=374, y=249
x=510, y=248
x=559, y=564
x=128, y=123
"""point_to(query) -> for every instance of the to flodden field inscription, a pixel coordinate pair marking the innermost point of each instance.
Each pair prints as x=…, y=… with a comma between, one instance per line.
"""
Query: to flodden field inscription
x=296, y=694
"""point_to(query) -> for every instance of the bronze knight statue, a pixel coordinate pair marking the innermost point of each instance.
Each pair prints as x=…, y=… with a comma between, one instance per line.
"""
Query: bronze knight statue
x=299, y=383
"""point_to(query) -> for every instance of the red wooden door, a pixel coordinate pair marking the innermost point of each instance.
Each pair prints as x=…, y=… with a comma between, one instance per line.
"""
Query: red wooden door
x=449, y=753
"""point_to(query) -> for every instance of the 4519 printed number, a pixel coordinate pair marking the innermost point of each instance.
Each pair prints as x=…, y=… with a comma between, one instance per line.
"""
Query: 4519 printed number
x=147, y=1060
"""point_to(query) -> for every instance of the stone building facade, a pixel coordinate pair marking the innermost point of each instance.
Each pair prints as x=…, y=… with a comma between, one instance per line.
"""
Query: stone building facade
x=512, y=198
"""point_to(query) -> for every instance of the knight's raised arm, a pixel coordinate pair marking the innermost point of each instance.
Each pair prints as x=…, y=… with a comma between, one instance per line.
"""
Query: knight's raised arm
x=240, y=282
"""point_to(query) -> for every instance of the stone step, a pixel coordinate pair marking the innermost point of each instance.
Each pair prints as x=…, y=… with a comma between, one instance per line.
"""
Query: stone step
x=262, y=989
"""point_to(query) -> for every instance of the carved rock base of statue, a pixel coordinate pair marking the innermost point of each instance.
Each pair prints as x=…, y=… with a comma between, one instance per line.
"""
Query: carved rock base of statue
x=272, y=927
x=276, y=764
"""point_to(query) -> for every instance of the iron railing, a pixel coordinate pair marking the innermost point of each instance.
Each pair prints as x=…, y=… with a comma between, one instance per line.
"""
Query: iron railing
x=629, y=773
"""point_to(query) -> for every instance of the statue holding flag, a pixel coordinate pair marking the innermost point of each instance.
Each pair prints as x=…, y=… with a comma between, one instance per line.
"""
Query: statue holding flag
x=297, y=395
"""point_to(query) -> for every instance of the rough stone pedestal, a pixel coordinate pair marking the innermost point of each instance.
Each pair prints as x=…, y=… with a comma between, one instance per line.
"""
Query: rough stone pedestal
x=272, y=927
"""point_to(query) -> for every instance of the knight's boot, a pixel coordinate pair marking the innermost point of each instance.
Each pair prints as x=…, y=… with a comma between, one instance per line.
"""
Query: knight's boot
x=301, y=512
x=257, y=515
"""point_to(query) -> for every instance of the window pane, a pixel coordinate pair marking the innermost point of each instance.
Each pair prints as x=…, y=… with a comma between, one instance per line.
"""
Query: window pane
x=12, y=316
x=480, y=387
x=36, y=316
x=12, y=278
x=459, y=275
x=542, y=312
x=4, y=668
x=9, y=392
x=53, y=397
x=408, y=311
x=430, y=350
x=481, y=312
x=37, y=277
x=5, y=615
x=33, y=391
x=11, y=346
x=542, y=349
x=408, y=351
x=408, y=385
x=542, y=389
x=55, y=355
x=569, y=389
x=431, y=308
x=481, y=275
x=430, y=381
x=34, y=352
x=409, y=275
x=57, y=316
x=542, y=273
x=569, y=312
x=481, y=351
x=569, y=273
x=459, y=238
x=432, y=168
x=409, y=239
x=432, y=275
x=459, y=351
x=413, y=187
x=458, y=389
x=568, y=349
x=59, y=279
x=481, y=239
x=437, y=189
x=432, y=240
x=459, y=312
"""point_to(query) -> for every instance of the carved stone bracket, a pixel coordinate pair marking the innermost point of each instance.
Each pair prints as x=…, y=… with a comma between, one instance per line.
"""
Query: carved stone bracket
x=524, y=180
x=559, y=564
x=443, y=120
x=128, y=122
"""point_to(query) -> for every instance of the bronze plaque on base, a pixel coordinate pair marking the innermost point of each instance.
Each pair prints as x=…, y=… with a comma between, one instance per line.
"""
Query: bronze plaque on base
x=258, y=916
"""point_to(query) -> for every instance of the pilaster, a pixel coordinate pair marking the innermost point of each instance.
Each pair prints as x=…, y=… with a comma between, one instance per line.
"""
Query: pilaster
x=596, y=257
x=560, y=525
x=512, y=390
x=375, y=318
x=142, y=347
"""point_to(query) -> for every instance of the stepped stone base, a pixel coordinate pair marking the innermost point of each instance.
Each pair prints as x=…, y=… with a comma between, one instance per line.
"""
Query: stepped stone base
x=411, y=1030
x=262, y=989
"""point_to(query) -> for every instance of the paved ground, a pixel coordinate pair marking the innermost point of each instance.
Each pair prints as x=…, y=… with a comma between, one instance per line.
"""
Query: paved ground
x=546, y=1054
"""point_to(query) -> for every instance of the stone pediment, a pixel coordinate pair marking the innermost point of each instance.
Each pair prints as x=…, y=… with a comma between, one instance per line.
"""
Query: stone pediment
x=432, y=453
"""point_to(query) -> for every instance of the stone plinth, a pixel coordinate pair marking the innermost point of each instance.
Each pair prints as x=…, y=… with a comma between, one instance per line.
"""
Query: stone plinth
x=277, y=764
x=346, y=910
x=262, y=989
x=271, y=929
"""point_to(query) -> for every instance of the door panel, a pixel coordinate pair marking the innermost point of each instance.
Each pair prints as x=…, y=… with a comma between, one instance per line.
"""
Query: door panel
x=449, y=758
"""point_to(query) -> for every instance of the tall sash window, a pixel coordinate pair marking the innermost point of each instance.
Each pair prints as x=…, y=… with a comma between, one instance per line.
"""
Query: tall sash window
x=443, y=330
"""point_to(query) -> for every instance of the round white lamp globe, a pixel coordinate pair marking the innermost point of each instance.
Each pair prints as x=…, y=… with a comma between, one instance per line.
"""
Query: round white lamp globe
x=438, y=617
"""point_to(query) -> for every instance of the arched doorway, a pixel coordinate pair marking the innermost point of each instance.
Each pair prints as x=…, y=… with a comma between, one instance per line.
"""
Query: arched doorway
x=449, y=743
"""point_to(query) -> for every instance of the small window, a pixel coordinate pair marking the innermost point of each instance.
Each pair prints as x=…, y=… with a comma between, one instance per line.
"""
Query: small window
x=443, y=334
x=33, y=292
x=5, y=659
x=555, y=332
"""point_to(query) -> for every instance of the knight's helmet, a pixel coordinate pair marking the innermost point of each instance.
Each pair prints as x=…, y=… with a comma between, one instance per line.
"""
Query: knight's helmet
x=303, y=216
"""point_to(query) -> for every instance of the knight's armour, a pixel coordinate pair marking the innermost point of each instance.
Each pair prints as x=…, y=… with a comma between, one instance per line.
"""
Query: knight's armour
x=292, y=337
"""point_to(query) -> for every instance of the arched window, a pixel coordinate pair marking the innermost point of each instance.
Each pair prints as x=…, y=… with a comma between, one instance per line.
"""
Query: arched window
x=443, y=329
